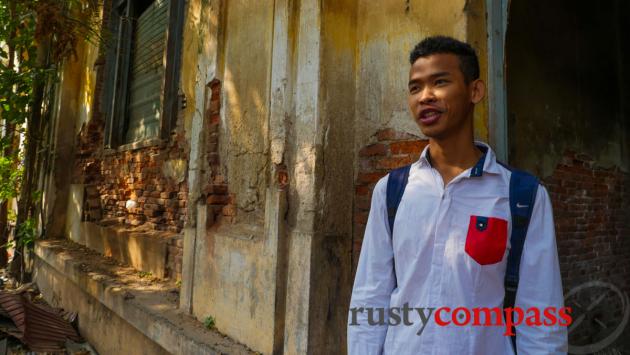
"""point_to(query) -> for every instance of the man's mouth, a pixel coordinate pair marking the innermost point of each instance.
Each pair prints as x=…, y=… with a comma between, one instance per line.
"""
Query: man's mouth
x=429, y=116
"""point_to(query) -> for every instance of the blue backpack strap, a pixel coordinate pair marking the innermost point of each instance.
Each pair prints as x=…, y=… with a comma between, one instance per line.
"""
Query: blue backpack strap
x=523, y=189
x=396, y=184
x=395, y=188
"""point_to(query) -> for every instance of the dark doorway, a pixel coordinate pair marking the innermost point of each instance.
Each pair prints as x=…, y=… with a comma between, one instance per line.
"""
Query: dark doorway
x=567, y=82
x=568, y=104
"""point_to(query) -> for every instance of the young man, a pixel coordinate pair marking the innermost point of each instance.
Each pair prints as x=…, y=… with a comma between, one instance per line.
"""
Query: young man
x=451, y=238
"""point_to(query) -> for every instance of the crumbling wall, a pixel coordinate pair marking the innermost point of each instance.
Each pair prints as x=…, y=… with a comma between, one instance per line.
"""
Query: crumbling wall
x=230, y=259
x=153, y=177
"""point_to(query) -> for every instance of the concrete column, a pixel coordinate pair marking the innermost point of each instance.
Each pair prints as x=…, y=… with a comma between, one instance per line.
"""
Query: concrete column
x=199, y=68
x=321, y=178
x=279, y=120
x=302, y=177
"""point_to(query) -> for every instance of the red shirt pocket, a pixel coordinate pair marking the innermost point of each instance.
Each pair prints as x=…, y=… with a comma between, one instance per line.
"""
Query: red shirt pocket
x=486, y=239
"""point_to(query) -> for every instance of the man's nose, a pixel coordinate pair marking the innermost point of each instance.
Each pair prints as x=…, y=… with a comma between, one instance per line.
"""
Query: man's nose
x=426, y=95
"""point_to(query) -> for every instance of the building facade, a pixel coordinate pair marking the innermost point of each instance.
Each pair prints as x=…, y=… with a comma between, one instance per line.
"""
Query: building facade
x=228, y=149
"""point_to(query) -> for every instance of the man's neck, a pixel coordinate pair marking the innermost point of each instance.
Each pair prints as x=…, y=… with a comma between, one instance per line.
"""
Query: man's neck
x=451, y=157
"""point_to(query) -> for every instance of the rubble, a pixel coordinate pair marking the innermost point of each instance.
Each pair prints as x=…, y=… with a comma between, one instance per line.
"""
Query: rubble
x=28, y=325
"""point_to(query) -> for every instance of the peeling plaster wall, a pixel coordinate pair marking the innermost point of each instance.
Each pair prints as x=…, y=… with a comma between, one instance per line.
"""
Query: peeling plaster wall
x=330, y=276
x=386, y=135
x=248, y=42
x=231, y=274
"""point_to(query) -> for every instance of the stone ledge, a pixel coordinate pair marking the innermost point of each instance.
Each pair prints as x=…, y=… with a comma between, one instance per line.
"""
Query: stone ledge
x=150, y=306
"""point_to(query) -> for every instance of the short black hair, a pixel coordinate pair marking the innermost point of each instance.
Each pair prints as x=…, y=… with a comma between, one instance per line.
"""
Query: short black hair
x=468, y=61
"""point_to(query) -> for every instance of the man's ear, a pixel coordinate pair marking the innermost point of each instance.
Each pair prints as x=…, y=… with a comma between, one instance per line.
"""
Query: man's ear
x=477, y=91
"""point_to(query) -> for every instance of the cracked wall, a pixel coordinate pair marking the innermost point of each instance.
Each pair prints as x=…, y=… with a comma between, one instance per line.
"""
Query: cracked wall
x=247, y=71
x=229, y=258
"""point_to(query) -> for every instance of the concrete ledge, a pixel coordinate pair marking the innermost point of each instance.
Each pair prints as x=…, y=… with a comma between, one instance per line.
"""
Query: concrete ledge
x=142, y=249
x=66, y=272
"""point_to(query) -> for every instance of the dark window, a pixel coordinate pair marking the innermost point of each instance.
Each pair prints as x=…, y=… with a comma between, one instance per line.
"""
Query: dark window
x=140, y=99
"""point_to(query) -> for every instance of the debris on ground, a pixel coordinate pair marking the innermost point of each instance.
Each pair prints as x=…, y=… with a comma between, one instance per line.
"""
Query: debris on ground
x=28, y=325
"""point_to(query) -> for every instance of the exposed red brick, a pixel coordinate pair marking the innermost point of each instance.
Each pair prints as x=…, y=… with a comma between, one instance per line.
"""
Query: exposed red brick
x=361, y=217
x=115, y=177
x=390, y=135
x=394, y=162
x=408, y=147
x=218, y=199
x=362, y=190
x=376, y=149
x=591, y=209
x=366, y=178
x=592, y=221
x=362, y=203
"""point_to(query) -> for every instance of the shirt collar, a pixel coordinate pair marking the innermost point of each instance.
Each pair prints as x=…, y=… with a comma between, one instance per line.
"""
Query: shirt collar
x=487, y=162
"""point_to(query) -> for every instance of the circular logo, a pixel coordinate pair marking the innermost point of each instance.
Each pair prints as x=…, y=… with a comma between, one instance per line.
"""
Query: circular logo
x=587, y=300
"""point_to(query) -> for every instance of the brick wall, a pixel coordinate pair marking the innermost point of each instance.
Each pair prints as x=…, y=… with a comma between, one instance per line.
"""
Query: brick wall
x=220, y=202
x=592, y=217
x=113, y=178
x=390, y=150
x=137, y=175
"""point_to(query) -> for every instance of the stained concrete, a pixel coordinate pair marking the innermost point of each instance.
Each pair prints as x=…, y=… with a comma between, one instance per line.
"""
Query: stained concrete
x=120, y=313
x=235, y=280
x=143, y=249
x=74, y=212
x=338, y=72
x=103, y=329
x=567, y=82
x=199, y=68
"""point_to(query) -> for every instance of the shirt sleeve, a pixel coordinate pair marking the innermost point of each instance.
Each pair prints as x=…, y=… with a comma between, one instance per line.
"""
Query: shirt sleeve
x=540, y=283
x=374, y=280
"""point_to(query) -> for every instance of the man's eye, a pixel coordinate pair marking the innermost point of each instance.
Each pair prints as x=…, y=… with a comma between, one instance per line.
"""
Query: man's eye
x=413, y=89
x=440, y=82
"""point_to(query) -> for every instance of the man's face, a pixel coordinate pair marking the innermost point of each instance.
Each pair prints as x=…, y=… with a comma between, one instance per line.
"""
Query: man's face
x=439, y=98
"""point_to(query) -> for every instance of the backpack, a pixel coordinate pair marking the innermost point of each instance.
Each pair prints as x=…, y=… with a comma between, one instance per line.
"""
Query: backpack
x=523, y=189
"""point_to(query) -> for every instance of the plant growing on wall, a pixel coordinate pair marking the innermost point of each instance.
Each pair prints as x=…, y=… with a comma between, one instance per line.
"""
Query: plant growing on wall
x=36, y=36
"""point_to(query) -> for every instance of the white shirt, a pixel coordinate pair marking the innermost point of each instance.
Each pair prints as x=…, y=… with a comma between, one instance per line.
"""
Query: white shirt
x=434, y=269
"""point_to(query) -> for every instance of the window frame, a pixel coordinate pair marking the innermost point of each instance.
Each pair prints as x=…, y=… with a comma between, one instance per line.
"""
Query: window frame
x=117, y=73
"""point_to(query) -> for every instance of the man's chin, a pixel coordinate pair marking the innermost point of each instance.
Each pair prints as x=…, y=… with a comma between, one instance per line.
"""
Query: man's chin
x=430, y=132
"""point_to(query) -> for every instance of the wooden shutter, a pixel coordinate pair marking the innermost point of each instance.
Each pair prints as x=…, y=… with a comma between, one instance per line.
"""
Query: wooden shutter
x=147, y=72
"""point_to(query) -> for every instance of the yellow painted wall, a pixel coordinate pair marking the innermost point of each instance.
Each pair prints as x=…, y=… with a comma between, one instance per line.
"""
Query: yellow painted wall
x=387, y=31
x=248, y=41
